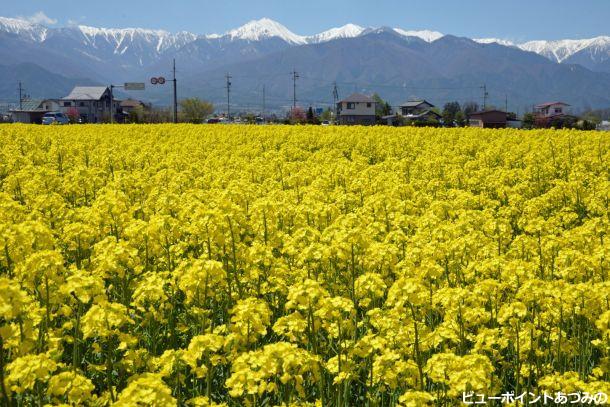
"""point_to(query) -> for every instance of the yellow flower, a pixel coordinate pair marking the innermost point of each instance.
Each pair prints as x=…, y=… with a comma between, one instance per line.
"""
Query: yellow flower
x=416, y=399
x=461, y=373
x=249, y=320
x=24, y=372
x=203, y=351
x=13, y=301
x=201, y=280
x=74, y=386
x=105, y=319
x=147, y=389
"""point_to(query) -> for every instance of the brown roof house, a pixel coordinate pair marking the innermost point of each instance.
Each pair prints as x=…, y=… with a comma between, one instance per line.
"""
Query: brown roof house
x=554, y=114
x=551, y=109
x=356, y=109
x=488, y=119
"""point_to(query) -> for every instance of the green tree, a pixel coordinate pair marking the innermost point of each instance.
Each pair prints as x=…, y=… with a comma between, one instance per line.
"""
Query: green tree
x=297, y=116
x=529, y=120
x=460, y=119
x=469, y=108
x=450, y=111
x=382, y=107
x=327, y=115
x=311, y=117
x=592, y=117
x=137, y=115
x=195, y=110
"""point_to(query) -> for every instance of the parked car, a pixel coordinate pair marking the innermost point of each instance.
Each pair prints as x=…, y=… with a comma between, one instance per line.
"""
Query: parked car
x=213, y=121
x=55, y=118
x=325, y=123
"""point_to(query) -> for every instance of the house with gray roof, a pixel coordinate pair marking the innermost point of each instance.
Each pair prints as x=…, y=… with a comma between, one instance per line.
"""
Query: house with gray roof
x=414, y=111
x=30, y=111
x=415, y=107
x=356, y=109
x=91, y=103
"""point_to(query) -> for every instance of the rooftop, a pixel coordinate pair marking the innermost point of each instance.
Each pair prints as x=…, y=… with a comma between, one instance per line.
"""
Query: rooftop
x=415, y=103
x=86, y=93
x=358, y=98
x=29, y=105
x=543, y=105
x=482, y=112
x=131, y=103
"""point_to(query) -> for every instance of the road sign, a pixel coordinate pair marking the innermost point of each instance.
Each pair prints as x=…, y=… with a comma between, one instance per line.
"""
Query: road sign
x=154, y=81
x=134, y=86
x=161, y=80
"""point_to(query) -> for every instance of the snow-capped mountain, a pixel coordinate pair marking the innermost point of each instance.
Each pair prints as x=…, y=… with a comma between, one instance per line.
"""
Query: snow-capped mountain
x=122, y=38
x=25, y=29
x=258, y=30
x=426, y=35
x=145, y=44
x=499, y=41
x=593, y=53
x=561, y=51
x=262, y=47
x=347, y=31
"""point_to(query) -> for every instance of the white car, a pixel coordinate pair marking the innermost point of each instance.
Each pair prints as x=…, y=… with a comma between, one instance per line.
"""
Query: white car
x=55, y=118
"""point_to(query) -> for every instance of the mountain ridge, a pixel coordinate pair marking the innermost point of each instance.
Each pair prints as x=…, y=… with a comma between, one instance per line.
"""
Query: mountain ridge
x=597, y=49
x=394, y=59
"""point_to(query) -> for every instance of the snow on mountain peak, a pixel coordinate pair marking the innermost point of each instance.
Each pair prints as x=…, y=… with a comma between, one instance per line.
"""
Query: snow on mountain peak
x=34, y=32
x=257, y=30
x=499, y=41
x=347, y=31
x=561, y=50
x=264, y=28
x=426, y=35
x=162, y=40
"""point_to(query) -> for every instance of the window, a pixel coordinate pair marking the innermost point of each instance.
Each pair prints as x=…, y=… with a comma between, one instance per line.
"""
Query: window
x=351, y=105
x=557, y=110
x=67, y=104
x=368, y=104
x=82, y=104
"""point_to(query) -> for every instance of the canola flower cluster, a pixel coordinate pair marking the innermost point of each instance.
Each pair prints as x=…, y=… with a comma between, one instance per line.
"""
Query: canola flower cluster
x=299, y=266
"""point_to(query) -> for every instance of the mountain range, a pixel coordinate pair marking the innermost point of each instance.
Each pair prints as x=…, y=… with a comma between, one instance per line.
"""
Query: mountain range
x=396, y=63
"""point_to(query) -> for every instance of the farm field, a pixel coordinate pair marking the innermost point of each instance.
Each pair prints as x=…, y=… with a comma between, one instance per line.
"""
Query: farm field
x=189, y=265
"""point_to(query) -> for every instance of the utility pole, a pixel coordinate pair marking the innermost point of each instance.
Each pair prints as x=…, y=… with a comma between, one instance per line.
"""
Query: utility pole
x=485, y=96
x=295, y=76
x=336, y=100
x=228, y=77
x=175, y=95
x=20, y=96
x=264, y=104
x=506, y=103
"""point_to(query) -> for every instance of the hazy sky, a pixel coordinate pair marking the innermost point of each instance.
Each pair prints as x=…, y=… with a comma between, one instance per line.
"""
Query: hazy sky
x=517, y=20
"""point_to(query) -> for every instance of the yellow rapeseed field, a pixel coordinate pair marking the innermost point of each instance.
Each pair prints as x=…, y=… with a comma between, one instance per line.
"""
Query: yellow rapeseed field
x=163, y=265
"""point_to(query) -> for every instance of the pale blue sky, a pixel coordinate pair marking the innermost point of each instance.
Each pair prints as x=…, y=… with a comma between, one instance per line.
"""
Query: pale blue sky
x=517, y=20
